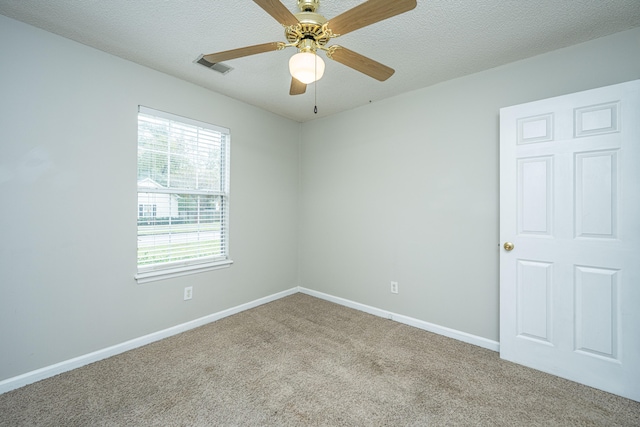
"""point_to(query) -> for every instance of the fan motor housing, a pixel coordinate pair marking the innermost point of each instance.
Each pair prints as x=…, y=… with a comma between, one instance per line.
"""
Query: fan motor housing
x=310, y=26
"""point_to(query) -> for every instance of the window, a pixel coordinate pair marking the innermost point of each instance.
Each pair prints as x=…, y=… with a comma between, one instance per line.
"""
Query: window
x=146, y=211
x=183, y=196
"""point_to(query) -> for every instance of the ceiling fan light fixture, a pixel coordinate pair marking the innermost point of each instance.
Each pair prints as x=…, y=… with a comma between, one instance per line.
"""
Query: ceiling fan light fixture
x=306, y=67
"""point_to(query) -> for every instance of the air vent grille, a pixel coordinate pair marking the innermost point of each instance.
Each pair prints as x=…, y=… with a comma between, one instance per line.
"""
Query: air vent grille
x=217, y=66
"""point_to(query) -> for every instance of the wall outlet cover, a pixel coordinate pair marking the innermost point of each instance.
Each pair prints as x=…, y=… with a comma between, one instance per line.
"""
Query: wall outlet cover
x=394, y=287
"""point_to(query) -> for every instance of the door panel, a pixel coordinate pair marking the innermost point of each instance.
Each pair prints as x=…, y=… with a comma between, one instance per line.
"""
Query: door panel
x=596, y=305
x=595, y=194
x=535, y=204
x=534, y=300
x=570, y=203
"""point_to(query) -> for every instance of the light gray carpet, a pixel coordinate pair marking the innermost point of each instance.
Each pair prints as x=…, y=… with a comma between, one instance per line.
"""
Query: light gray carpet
x=301, y=361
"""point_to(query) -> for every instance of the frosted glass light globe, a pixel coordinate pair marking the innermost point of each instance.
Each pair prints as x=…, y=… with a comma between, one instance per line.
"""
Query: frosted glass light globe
x=301, y=67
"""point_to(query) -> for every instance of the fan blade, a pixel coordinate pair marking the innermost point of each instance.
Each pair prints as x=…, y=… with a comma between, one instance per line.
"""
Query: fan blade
x=243, y=51
x=360, y=63
x=279, y=12
x=368, y=13
x=297, y=87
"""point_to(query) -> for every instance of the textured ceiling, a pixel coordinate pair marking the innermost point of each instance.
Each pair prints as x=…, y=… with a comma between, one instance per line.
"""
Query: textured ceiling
x=437, y=41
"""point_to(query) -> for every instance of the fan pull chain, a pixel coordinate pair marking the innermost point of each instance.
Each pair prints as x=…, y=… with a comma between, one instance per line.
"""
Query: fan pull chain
x=315, y=84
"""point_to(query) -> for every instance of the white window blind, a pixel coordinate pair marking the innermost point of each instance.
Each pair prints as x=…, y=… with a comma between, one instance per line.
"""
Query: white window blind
x=183, y=195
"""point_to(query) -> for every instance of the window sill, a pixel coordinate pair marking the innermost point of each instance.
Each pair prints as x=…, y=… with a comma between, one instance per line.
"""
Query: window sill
x=168, y=273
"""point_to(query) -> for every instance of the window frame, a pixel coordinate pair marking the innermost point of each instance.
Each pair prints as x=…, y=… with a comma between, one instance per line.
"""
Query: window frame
x=165, y=270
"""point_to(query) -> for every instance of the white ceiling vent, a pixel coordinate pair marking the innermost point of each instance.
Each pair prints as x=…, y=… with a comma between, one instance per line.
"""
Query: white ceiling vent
x=217, y=66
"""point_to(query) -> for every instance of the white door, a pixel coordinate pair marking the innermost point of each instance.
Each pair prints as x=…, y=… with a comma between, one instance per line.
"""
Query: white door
x=570, y=205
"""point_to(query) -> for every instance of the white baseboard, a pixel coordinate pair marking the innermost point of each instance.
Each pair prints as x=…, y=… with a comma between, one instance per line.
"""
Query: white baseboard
x=420, y=324
x=77, y=362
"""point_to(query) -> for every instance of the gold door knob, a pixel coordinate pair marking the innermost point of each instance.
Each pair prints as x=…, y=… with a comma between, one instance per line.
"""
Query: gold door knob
x=508, y=246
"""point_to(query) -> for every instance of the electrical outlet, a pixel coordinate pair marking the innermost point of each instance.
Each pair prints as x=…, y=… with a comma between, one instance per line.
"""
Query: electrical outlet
x=394, y=287
x=188, y=292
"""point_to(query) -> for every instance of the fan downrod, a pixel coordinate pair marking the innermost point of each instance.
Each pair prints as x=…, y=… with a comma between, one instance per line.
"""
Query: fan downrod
x=308, y=5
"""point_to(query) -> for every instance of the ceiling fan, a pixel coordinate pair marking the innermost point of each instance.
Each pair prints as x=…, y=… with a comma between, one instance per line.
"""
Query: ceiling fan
x=309, y=32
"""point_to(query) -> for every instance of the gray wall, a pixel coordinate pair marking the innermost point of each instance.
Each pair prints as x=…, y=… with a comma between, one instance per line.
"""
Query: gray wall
x=68, y=145
x=407, y=189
